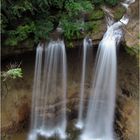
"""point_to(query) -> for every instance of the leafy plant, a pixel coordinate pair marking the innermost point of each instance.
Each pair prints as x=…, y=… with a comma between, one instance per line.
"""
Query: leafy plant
x=72, y=23
x=42, y=29
x=75, y=8
x=12, y=73
x=19, y=34
x=15, y=73
x=37, y=18
x=97, y=14
x=112, y=2
x=71, y=28
x=21, y=7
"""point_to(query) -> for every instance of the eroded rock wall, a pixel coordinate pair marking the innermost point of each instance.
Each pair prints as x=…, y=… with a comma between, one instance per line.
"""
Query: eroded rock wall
x=17, y=104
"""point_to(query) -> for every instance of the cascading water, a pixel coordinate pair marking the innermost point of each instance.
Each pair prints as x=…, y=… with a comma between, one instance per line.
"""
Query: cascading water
x=100, y=115
x=98, y=123
x=36, y=90
x=87, y=42
x=48, y=116
x=49, y=92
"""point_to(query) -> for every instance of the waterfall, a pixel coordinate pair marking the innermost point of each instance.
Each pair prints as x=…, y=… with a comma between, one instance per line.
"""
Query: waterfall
x=48, y=112
x=86, y=44
x=99, y=121
x=100, y=115
x=36, y=89
x=49, y=92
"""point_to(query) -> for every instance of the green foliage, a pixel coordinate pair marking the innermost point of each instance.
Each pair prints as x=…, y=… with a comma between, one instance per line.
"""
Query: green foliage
x=97, y=14
x=134, y=50
x=70, y=45
x=98, y=1
x=13, y=10
x=3, y=23
x=75, y=8
x=93, y=26
x=19, y=34
x=43, y=4
x=20, y=7
x=22, y=19
x=15, y=73
x=110, y=2
x=71, y=28
x=71, y=23
x=139, y=36
x=12, y=73
x=119, y=13
x=42, y=29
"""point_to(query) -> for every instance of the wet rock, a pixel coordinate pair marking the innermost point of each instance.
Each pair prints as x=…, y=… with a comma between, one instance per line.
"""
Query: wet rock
x=132, y=37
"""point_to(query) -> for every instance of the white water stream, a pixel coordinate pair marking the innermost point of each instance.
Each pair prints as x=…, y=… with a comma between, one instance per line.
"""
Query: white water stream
x=49, y=92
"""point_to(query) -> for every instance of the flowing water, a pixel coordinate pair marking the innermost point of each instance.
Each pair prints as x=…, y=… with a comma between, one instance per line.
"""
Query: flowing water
x=48, y=117
x=87, y=43
x=99, y=119
x=49, y=92
x=100, y=115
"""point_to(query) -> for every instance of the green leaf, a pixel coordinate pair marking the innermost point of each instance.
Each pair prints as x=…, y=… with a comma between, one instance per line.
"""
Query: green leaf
x=15, y=73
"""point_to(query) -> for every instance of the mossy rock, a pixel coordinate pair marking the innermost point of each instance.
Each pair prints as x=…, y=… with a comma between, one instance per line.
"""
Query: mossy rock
x=133, y=50
x=97, y=26
x=93, y=26
x=119, y=12
x=96, y=15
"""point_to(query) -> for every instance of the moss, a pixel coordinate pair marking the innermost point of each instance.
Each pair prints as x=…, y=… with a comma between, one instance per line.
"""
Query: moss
x=133, y=50
x=119, y=12
x=97, y=26
x=96, y=15
x=93, y=26
x=139, y=36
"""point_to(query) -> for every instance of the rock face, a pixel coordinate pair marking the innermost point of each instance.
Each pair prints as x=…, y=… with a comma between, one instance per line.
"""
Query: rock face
x=127, y=122
x=132, y=29
x=16, y=106
x=17, y=117
x=132, y=36
x=23, y=47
